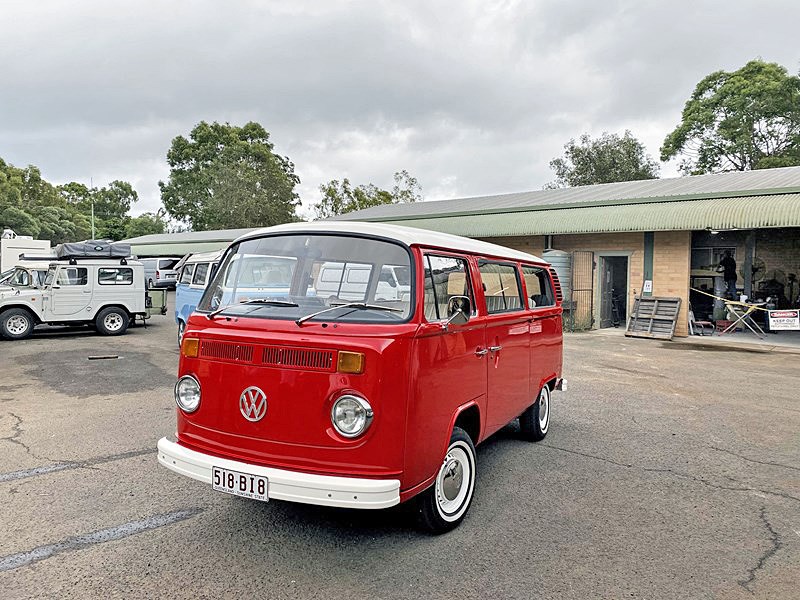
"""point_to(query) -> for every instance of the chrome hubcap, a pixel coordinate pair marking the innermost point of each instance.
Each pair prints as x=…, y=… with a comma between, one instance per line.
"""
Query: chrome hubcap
x=113, y=322
x=17, y=325
x=453, y=478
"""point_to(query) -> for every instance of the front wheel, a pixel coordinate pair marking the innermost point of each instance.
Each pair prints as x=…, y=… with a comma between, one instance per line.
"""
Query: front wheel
x=112, y=321
x=535, y=421
x=16, y=324
x=443, y=506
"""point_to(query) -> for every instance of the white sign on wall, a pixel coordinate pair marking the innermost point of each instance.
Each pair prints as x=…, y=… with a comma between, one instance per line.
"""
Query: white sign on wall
x=648, y=286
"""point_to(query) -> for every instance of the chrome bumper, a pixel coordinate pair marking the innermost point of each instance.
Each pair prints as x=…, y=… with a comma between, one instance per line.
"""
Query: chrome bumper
x=323, y=490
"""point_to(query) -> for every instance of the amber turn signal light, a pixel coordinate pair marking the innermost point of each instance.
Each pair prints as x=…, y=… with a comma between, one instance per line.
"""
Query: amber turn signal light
x=350, y=362
x=190, y=347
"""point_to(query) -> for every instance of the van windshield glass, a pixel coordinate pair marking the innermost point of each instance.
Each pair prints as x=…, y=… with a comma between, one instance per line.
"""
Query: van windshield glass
x=303, y=274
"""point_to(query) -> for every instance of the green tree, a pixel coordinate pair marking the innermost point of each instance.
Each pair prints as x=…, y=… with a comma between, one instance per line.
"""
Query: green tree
x=340, y=197
x=608, y=159
x=144, y=224
x=229, y=176
x=737, y=121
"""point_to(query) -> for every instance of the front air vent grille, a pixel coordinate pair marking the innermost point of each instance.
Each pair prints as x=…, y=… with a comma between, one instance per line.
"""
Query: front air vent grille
x=228, y=351
x=300, y=358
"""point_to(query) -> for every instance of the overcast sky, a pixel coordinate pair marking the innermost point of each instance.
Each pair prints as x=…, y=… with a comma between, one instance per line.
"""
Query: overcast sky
x=472, y=98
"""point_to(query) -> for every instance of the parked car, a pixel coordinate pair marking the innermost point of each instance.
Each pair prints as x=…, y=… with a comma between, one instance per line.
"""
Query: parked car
x=195, y=274
x=364, y=402
x=108, y=293
x=23, y=277
x=160, y=272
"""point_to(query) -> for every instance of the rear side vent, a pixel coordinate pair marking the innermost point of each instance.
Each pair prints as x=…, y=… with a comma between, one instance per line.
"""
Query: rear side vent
x=556, y=284
x=299, y=358
x=242, y=353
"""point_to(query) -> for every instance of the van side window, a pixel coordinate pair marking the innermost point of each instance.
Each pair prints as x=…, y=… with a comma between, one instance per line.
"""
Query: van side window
x=72, y=276
x=115, y=276
x=186, y=274
x=445, y=277
x=200, y=274
x=501, y=287
x=537, y=284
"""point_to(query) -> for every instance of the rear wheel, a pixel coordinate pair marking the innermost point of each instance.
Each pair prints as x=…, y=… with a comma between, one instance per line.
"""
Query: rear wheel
x=535, y=421
x=443, y=506
x=16, y=324
x=112, y=321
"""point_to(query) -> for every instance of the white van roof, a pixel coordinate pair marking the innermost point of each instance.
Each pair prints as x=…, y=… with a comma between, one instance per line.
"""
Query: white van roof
x=200, y=257
x=409, y=236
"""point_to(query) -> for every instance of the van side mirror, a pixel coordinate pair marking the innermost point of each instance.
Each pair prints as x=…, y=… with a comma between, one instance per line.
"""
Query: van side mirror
x=458, y=310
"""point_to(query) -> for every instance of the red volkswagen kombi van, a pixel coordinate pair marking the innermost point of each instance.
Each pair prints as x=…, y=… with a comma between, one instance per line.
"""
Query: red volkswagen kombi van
x=368, y=398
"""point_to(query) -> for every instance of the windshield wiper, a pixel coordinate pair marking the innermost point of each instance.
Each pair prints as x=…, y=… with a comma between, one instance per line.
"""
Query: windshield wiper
x=210, y=316
x=359, y=305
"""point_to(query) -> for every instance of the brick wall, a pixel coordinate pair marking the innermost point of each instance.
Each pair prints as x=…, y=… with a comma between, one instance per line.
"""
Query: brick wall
x=532, y=244
x=671, y=260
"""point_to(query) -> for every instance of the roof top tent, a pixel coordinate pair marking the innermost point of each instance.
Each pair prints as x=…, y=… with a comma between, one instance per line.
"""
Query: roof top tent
x=93, y=249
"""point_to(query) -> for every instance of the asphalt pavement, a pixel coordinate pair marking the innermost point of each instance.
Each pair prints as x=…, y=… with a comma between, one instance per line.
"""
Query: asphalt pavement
x=668, y=472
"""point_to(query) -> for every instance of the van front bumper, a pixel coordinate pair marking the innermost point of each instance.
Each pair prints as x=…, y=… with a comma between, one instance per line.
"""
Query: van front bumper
x=323, y=490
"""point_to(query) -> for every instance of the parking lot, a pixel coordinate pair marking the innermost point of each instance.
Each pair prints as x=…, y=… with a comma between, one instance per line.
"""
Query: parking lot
x=668, y=472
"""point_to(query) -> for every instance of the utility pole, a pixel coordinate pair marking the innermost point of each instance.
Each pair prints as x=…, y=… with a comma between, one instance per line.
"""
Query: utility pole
x=91, y=186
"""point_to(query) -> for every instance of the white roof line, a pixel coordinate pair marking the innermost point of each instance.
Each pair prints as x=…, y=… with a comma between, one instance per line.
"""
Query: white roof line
x=410, y=236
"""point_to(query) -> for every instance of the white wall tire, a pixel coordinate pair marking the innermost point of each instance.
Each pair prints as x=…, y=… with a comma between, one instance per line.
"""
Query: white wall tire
x=535, y=421
x=16, y=324
x=444, y=505
x=112, y=321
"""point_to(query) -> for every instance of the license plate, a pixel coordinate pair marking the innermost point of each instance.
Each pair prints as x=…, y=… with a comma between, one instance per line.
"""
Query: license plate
x=240, y=484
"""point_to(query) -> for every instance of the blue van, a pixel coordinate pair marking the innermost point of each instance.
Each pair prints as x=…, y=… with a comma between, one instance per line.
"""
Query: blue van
x=194, y=276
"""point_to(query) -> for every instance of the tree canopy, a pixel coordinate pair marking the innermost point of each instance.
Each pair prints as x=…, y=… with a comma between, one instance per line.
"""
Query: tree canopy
x=340, y=197
x=32, y=206
x=225, y=176
x=607, y=159
x=738, y=121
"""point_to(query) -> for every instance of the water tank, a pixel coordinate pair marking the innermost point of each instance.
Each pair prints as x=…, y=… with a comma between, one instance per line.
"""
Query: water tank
x=562, y=263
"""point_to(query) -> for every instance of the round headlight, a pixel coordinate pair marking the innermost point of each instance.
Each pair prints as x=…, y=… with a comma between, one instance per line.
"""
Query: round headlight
x=351, y=416
x=187, y=394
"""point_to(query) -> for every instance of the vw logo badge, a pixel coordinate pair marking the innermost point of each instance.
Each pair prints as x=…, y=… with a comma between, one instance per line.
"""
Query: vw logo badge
x=253, y=404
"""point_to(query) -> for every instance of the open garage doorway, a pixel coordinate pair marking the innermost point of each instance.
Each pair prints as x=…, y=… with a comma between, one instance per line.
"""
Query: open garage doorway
x=613, y=290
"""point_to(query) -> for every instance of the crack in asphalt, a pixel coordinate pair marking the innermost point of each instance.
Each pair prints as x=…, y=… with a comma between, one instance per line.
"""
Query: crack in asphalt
x=753, y=460
x=776, y=544
x=16, y=429
x=741, y=488
x=79, y=542
x=64, y=465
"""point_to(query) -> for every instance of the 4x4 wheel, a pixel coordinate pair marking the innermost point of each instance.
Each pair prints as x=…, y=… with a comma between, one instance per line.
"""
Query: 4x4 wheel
x=112, y=321
x=16, y=324
x=443, y=506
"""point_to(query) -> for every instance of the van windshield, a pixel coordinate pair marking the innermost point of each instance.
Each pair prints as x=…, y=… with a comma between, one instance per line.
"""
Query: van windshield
x=292, y=276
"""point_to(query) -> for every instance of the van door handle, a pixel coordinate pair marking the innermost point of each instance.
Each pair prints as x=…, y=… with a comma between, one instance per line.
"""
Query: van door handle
x=495, y=348
x=481, y=352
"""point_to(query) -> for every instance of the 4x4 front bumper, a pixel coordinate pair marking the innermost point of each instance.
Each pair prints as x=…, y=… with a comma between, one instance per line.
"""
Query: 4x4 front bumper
x=324, y=490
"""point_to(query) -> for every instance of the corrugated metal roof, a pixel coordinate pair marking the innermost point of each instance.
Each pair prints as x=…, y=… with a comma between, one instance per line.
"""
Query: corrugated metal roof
x=746, y=183
x=189, y=237
x=748, y=212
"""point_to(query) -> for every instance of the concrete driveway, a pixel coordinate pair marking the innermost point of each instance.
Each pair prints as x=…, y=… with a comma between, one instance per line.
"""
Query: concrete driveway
x=668, y=472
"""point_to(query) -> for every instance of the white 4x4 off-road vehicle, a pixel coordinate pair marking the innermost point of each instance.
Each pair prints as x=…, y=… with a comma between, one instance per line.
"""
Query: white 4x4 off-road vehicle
x=105, y=292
